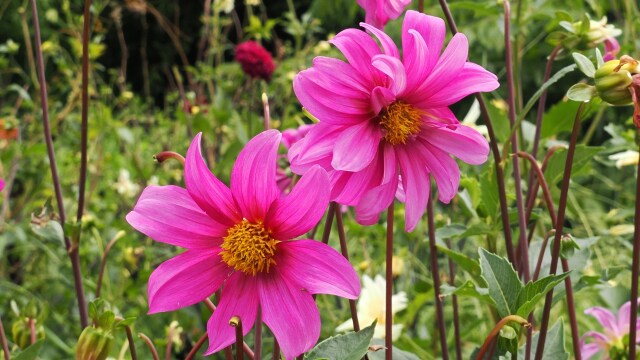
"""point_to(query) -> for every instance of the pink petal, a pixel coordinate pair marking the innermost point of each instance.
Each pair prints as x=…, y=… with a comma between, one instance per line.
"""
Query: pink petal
x=1, y=184
x=432, y=30
x=314, y=149
x=186, y=279
x=168, y=214
x=446, y=69
x=327, y=105
x=416, y=184
x=472, y=79
x=624, y=318
x=347, y=188
x=356, y=147
x=394, y=8
x=292, y=136
x=416, y=55
x=342, y=72
x=442, y=115
x=298, y=212
x=290, y=313
x=388, y=46
x=381, y=97
x=376, y=201
x=317, y=268
x=206, y=190
x=445, y=172
x=358, y=48
x=390, y=171
x=611, y=49
x=239, y=298
x=393, y=68
x=461, y=141
x=605, y=317
x=253, y=179
x=589, y=350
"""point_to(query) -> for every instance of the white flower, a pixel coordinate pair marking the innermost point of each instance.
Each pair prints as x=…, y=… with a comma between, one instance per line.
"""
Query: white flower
x=371, y=306
x=225, y=6
x=625, y=158
x=472, y=117
x=599, y=31
x=124, y=186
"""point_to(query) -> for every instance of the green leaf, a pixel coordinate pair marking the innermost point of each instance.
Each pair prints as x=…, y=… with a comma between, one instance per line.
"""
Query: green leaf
x=584, y=64
x=599, y=59
x=503, y=282
x=581, y=159
x=533, y=292
x=559, y=118
x=31, y=352
x=465, y=262
x=468, y=289
x=351, y=346
x=581, y=92
x=553, y=346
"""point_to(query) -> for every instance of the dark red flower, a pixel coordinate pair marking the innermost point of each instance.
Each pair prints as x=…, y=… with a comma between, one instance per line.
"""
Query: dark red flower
x=255, y=60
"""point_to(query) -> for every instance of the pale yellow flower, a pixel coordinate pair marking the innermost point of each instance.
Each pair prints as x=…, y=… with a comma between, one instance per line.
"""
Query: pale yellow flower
x=625, y=158
x=371, y=306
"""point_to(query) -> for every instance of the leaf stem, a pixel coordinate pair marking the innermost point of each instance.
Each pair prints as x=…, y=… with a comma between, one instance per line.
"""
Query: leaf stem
x=496, y=330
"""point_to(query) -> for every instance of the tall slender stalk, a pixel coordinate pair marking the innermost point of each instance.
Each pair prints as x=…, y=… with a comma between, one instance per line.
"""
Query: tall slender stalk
x=257, y=346
x=555, y=252
x=454, y=303
x=149, y=343
x=345, y=253
x=635, y=269
x=3, y=342
x=388, y=316
x=73, y=254
x=85, y=110
x=435, y=273
x=493, y=143
x=236, y=322
x=522, y=225
x=196, y=347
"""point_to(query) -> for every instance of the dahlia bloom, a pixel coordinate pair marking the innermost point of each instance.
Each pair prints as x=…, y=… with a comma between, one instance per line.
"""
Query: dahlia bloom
x=615, y=331
x=238, y=239
x=379, y=12
x=289, y=137
x=371, y=306
x=256, y=61
x=381, y=116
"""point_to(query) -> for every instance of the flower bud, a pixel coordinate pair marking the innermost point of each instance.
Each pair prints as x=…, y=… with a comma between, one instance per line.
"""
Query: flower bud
x=22, y=334
x=613, y=80
x=94, y=344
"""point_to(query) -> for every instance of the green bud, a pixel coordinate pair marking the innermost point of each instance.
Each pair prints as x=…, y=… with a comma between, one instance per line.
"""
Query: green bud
x=613, y=80
x=94, y=344
x=22, y=333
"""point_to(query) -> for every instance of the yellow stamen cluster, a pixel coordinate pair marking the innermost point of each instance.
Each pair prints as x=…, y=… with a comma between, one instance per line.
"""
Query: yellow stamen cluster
x=249, y=247
x=399, y=122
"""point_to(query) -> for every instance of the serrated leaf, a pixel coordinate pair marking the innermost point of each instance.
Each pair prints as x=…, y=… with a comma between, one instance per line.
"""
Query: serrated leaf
x=468, y=289
x=533, y=292
x=581, y=92
x=31, y=352
x=502, y=280
x=553, y=347
x=351, y=346
x=584, y=64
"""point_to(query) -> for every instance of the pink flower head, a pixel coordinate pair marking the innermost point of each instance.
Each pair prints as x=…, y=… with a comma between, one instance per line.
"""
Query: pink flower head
x=615, y=328
x=1, y=184
x=611, y=49
x=256, y=61
x=382, y=115
x=239, y=239
x=379, y=12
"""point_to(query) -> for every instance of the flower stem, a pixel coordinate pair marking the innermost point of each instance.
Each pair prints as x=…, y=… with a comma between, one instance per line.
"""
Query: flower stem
x=522, y=242
x=103, y=263
x=388, y=324
x=246, y=347
x=72, y=250
x=435, y=273
x=257, y=346
x=236, y=322
x=276, y=350
x=85, y=110
x=132, y=345
x=493, y=143
x=329, y=222
x=166, y=155
x=454, y=301
x=3, y=341
x=196, y=347
x=496, y=330
x=32, y=331
x=555, y=252
x=152, y=348
x=635, y=269
x=267, y=114
x=345, y=253
x=571, y=307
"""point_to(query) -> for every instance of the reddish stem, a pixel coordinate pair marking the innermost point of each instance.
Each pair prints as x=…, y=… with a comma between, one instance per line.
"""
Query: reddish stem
x=388, y=325
x=435, y=273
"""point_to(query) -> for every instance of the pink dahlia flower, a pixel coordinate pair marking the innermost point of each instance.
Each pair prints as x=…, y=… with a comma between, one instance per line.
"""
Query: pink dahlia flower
x=239, y=239
x=379, y=12
x=615, y=330
x=382, y=115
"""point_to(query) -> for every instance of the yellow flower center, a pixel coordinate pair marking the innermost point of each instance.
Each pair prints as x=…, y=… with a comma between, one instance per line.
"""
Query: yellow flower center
x=249, y=247
x=399, y=122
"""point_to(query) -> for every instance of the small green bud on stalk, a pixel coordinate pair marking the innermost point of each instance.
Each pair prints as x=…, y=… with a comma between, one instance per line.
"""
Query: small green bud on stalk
x=613, y=80
x=94, y=344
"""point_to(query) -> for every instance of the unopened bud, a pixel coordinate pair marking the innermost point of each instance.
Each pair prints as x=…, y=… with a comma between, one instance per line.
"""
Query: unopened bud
x=613, y=80
x=94, y=344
